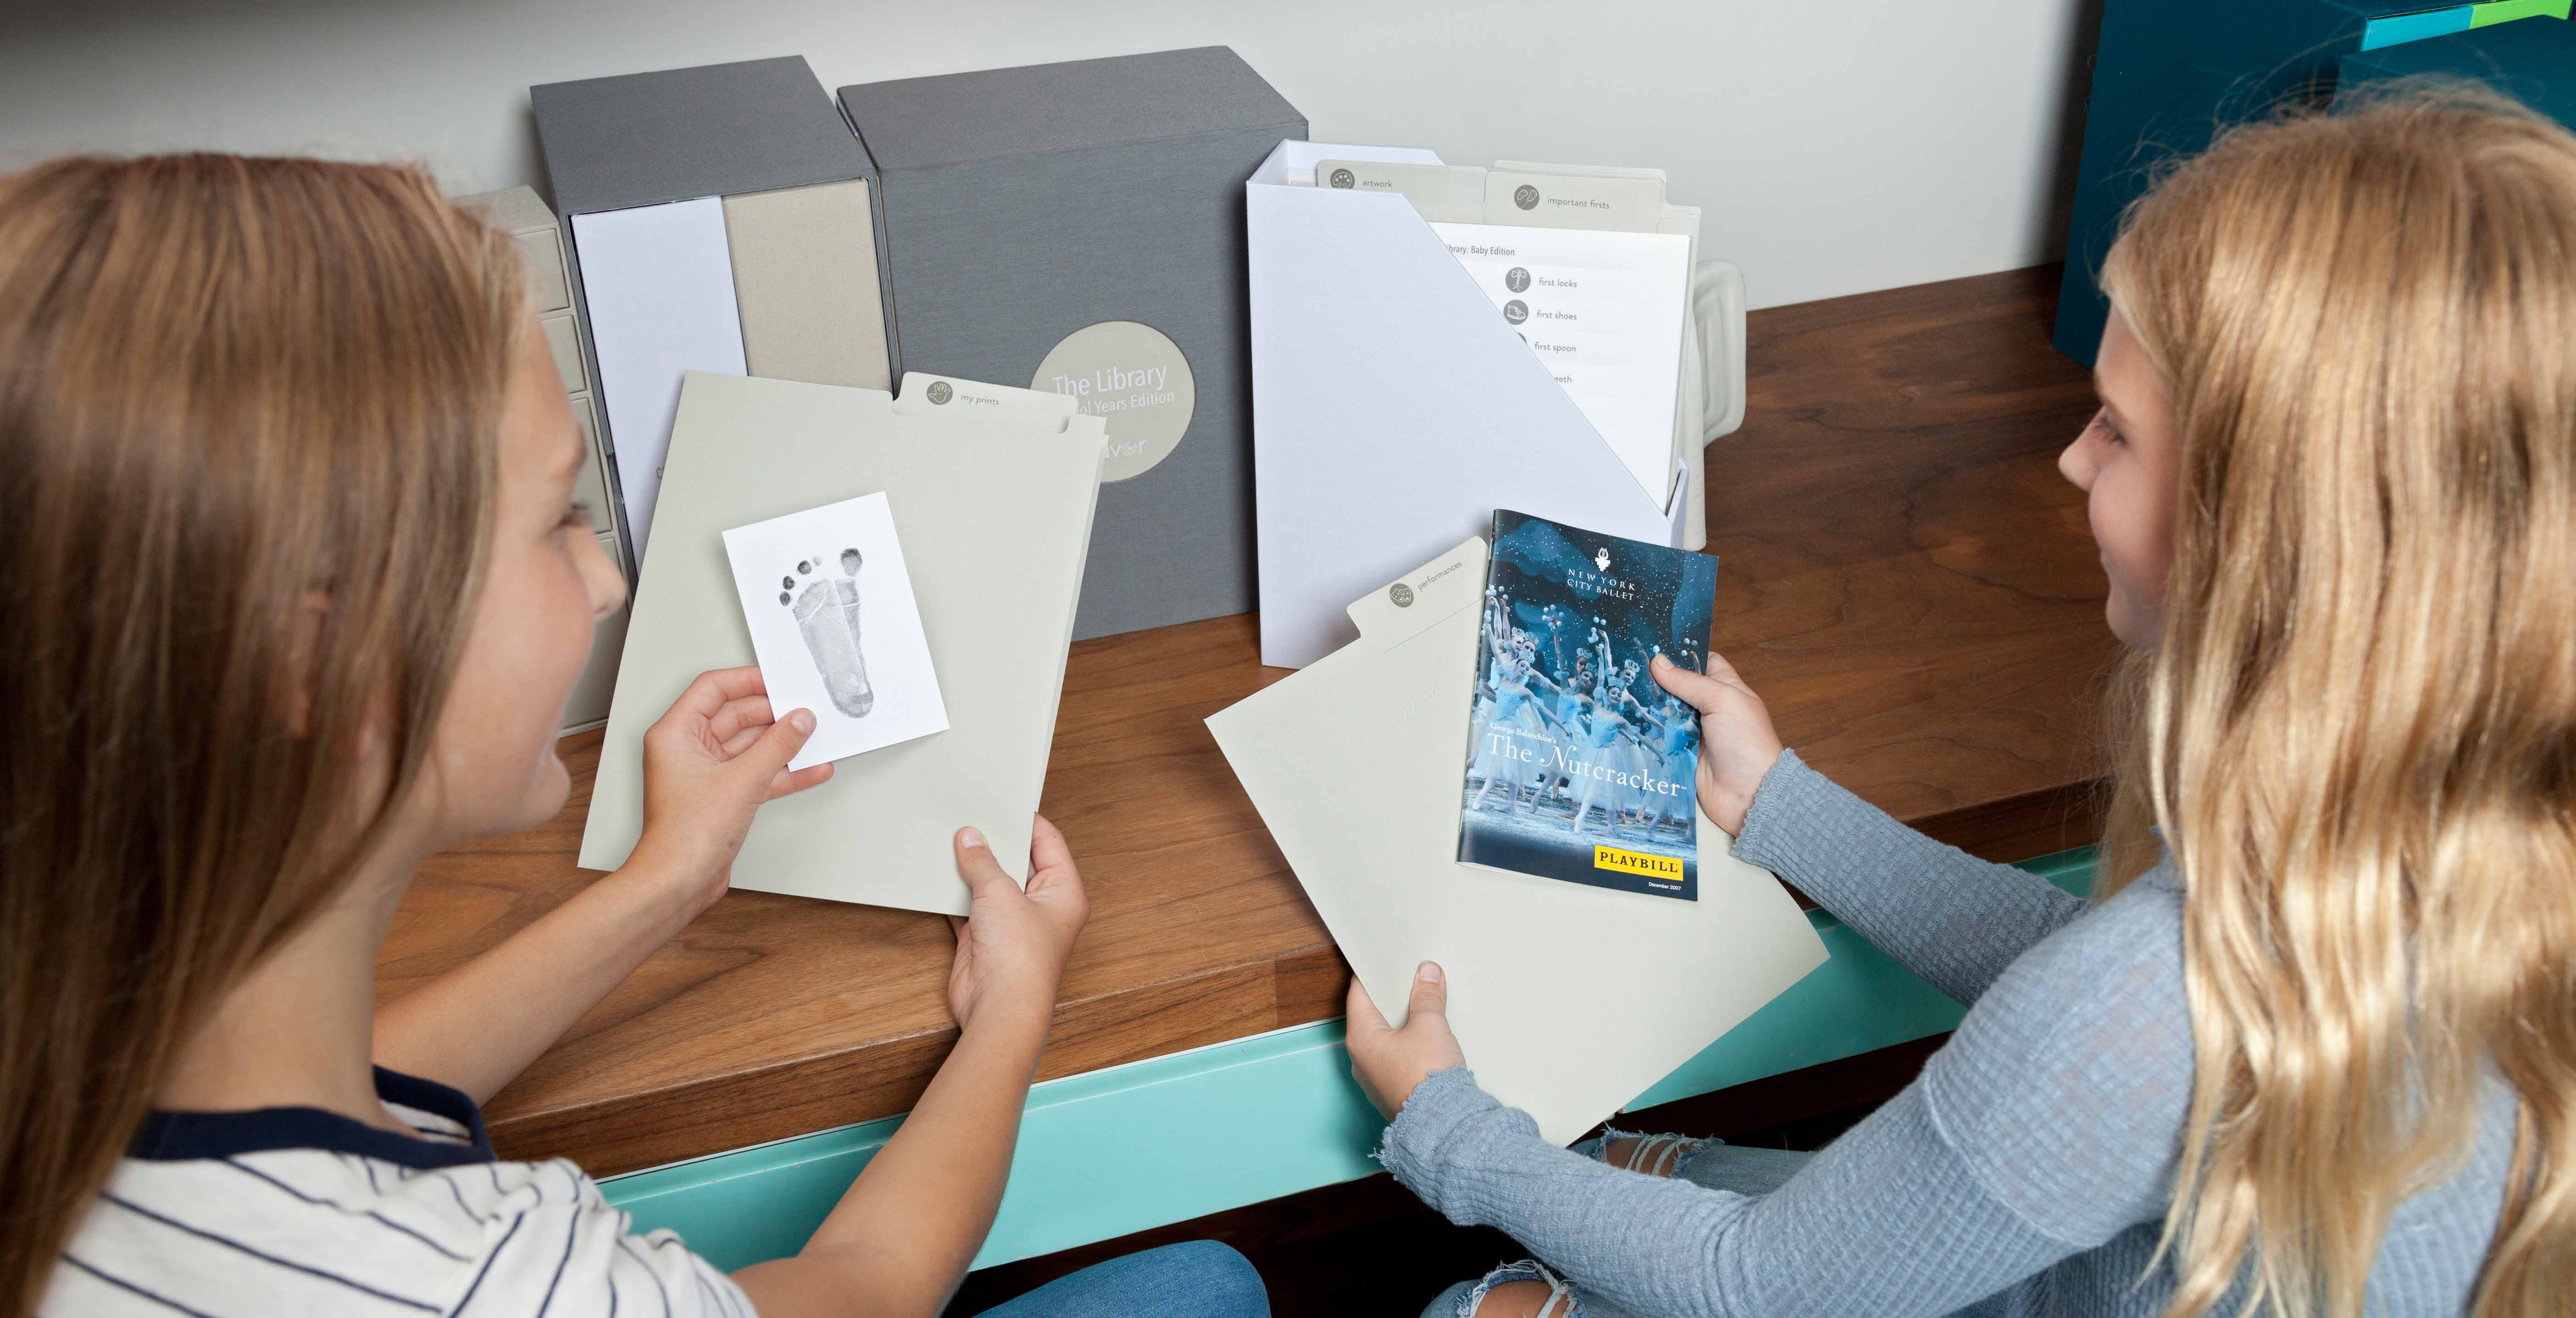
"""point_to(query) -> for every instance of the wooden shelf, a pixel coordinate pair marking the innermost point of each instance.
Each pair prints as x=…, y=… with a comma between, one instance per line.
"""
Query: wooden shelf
x=1905, y=579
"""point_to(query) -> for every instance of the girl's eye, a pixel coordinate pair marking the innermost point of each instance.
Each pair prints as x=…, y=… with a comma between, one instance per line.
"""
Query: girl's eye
x=578, y=514
x=2102, y=423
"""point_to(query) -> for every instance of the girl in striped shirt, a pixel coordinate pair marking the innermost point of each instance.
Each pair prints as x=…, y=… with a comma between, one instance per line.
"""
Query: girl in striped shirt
x=296, y=589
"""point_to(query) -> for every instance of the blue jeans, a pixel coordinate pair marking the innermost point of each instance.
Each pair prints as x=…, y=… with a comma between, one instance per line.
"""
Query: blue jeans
x=1199, y=1279
x=1713, y=1164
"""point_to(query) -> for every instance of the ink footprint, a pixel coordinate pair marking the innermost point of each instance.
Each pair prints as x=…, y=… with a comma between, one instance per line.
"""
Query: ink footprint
x=827, y=613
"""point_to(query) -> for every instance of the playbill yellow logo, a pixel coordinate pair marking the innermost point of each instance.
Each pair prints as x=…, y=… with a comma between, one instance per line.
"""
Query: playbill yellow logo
x=1637, y=862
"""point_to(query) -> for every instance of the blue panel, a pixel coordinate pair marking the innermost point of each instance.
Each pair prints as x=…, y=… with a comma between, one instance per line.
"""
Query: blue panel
x=2534, y=62
x=2398, y=29
x=1121, y=1150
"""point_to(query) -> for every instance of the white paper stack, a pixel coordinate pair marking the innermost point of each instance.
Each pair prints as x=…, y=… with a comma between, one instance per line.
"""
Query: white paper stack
x=1568, y=1000
x=992, y=492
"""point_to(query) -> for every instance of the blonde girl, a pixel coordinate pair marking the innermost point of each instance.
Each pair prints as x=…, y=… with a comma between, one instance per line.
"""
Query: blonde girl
x=2311, y=1049
x=295, y=589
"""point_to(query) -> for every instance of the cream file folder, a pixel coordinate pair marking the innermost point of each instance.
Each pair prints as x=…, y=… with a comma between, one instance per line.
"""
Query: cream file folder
x=1569, y=1000
x=992, y=491
x=805, y=274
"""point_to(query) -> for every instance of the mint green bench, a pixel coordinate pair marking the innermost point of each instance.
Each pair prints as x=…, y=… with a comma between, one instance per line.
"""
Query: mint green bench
x=1131, y=1147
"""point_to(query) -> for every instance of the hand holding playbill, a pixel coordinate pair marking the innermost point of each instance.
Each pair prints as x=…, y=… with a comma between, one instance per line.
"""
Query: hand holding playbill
x=1579, y=765
x=835, y=627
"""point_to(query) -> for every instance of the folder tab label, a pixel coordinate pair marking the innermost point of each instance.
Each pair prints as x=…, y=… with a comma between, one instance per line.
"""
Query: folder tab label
x=1132, y=376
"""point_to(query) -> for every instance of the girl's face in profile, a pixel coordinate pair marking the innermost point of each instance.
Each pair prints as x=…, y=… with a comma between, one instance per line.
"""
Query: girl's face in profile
x=546, y=585
x=2129, y=461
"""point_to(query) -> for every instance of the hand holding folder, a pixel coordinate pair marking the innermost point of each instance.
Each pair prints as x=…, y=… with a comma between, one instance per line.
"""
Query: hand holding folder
x=1569, y=1000
x=992, y=492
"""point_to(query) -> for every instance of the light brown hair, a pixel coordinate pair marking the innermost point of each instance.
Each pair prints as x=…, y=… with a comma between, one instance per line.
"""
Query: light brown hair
x=248, y=423
x=2358, y=733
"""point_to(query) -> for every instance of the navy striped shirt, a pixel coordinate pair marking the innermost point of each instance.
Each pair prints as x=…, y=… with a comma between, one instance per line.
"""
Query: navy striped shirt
x=300, y=1211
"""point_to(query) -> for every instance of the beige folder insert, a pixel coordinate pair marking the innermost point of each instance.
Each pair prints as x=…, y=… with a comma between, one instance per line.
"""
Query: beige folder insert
x=805, y=274
x=992, y=492
x=1569, y=1000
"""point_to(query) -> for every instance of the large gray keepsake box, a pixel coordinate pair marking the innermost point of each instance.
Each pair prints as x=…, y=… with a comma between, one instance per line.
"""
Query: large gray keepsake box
x=1079, y=227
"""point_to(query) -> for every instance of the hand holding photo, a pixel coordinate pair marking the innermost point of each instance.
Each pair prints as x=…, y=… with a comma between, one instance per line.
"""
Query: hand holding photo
x=835, y=627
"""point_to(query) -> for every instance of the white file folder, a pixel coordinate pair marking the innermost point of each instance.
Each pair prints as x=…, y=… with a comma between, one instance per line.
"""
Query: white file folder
x=1393, y=409
x=1569, y=1000
x=992, y=491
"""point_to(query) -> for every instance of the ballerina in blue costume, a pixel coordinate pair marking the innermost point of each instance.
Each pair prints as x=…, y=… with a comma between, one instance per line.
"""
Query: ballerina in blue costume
x=1674, y=755
x=1493, y=640
x=1562, y=705
x=1608, y=726
x=1515, y=707
x=1573, y=714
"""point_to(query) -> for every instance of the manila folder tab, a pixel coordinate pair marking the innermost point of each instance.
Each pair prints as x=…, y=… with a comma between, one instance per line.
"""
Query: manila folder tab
x=993, y=506
x=1568, y=1000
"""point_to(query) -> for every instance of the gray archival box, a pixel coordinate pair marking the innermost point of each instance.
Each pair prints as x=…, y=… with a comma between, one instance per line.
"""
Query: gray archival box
x=720, y=130
x=641, y=139
x=1023, y=207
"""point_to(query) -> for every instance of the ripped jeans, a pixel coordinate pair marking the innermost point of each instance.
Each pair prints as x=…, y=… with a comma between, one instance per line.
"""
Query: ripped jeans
x=1706, y=1162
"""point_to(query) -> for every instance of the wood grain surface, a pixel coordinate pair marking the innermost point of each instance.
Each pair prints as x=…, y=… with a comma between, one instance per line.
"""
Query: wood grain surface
x=1905, y=580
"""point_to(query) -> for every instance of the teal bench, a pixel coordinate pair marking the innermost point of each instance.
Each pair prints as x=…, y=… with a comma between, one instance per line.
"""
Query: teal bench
x=1132, y=1147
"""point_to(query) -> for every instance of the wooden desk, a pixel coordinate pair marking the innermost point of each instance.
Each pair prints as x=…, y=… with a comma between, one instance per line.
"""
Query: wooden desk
x=1905, y=580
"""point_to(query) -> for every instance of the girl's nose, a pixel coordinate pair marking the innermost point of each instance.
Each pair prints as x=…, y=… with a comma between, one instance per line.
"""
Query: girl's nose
x=2076, y=465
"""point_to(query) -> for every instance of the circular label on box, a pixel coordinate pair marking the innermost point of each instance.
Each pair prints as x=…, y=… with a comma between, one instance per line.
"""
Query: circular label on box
x=1132, y=376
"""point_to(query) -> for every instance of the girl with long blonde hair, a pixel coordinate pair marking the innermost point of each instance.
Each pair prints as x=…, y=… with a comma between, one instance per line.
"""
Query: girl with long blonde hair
x=2311, y=1049
x=296, y=589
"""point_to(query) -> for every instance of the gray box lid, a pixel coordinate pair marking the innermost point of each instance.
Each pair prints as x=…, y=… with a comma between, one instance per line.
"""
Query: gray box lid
x=642, y=139
x=1038, y=109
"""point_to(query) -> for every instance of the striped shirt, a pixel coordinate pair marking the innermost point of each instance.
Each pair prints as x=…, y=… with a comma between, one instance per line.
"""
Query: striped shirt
x=300, y=1211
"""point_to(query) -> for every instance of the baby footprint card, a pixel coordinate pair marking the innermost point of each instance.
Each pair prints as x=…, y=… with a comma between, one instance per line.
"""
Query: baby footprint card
x=835, y=628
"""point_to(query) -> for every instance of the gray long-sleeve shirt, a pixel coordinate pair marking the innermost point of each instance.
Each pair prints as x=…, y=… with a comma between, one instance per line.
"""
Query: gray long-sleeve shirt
x=2027, y=1171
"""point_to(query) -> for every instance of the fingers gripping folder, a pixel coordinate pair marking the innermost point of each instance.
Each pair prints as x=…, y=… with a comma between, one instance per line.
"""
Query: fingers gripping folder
x=1394, y=410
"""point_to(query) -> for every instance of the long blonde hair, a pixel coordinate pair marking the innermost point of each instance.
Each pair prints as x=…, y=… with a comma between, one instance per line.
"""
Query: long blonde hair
x=2358, y=733
x=248, y=419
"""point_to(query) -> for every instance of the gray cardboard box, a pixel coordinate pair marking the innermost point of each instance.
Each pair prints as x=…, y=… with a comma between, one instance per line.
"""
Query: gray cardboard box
x=1079, y=227
x=721, y=130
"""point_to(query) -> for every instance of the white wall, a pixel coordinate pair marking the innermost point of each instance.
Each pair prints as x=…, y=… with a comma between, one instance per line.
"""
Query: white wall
x=1837, y=145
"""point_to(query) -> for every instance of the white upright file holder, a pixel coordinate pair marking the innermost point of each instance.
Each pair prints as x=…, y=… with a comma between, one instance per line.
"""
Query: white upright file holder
x=1393, y=409
x=1712, y=402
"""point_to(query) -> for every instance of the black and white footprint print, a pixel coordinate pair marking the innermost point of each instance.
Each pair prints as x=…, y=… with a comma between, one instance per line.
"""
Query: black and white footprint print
x=827, y=612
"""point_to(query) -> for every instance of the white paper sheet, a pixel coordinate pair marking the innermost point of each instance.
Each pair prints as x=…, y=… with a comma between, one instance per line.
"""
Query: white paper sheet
x=659, y=283
x=1602, y=311
x=833, y=620
x=1568, y=1000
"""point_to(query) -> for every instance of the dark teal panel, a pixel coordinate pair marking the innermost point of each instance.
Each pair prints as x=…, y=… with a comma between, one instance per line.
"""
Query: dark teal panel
x=2166, y=75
